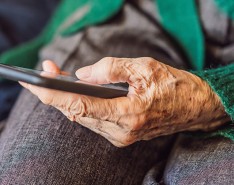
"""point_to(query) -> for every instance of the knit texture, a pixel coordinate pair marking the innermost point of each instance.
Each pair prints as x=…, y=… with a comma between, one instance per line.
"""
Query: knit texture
x=221, y=80
x=181, y=20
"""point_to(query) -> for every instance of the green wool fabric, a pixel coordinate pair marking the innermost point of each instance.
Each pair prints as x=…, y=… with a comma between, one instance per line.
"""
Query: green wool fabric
x=221, y=80
x=181, y=20
x=226, y=6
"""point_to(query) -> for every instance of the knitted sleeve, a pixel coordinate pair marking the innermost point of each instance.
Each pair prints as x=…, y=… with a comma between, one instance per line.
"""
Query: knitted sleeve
x=221, y=80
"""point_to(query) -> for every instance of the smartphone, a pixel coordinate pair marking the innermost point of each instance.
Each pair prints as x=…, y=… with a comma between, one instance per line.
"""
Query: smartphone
x=62, y=82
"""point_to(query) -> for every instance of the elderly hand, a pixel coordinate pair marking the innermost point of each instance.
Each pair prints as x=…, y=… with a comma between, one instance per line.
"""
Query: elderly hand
x=161, y=100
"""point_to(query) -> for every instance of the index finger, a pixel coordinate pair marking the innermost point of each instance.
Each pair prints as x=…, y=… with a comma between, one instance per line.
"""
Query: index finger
x=84, y=106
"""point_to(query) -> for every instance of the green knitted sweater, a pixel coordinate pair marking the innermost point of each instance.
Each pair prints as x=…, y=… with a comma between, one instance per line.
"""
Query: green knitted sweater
x=221, y=80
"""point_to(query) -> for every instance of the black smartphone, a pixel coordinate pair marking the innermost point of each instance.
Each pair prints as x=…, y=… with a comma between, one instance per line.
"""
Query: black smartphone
x=62, y=82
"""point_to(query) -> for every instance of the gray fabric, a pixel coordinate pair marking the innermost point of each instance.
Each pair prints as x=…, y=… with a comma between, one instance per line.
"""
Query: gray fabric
x=2, y=124
x=208, y=12
x=219, y=32
x=40, y=146
x=197, y=161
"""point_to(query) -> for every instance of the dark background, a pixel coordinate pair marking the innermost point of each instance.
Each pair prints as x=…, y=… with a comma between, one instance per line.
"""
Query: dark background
x=20, y=21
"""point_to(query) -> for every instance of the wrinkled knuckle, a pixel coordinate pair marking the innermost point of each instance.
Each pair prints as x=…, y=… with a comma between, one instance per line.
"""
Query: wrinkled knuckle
x=77, y=107
x=112, y=69
x=81, y=107
x=137, y=123
x=128, y=66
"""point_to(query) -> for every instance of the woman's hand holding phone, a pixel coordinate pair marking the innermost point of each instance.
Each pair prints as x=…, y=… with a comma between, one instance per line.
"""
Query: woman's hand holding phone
x=161, y=100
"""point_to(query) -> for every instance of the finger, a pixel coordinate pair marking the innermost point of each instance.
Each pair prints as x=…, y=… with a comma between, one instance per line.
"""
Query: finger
x=108, y=70
x=111, y=131
x=85, y=106
x=50, y=67
x=44, y=94
x=25, y=85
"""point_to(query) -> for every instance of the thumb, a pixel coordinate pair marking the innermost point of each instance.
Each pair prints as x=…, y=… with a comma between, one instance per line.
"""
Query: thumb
x=107, y=70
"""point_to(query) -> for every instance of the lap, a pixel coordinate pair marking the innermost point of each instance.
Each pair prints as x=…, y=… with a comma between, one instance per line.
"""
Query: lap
x=201, y=161
x=39, y=145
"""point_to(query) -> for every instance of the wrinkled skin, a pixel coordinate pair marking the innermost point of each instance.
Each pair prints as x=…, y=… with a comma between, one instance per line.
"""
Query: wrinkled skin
x=162, y=100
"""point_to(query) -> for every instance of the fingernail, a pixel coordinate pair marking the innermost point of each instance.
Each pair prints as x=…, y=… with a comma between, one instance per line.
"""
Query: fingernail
x=84, y=72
